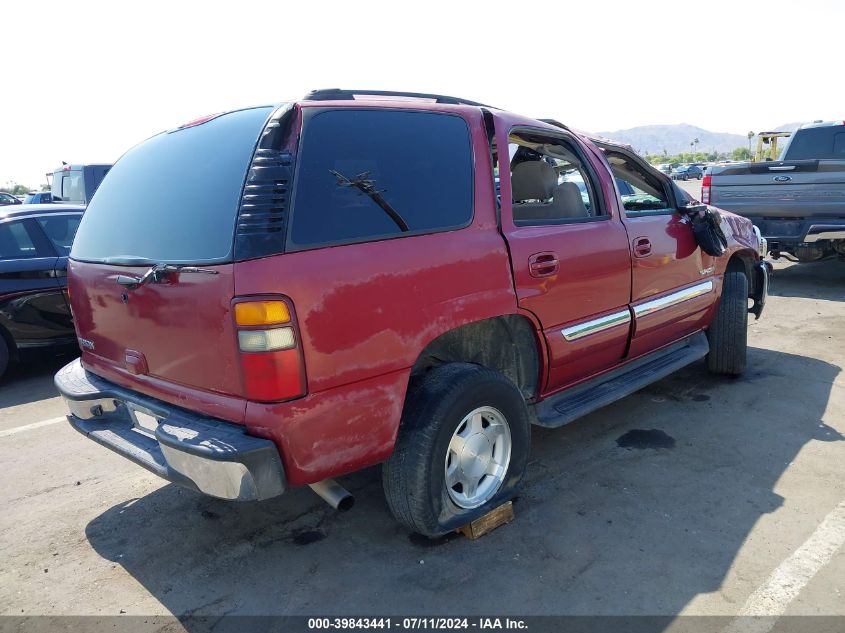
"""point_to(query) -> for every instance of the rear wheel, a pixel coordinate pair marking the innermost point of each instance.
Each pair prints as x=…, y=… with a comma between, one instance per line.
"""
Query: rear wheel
x=461, y=450
x=728, y=334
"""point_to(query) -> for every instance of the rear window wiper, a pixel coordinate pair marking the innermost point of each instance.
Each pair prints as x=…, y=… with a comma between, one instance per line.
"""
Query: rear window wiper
x=158, y=272
x=366, y=185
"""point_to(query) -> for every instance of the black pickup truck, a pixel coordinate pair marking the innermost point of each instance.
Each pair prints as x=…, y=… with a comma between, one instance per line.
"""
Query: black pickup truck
x=797, y=202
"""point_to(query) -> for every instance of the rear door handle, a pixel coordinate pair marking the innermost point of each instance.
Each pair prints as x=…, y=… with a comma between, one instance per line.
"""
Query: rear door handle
x=642, y=247
x=543, y=264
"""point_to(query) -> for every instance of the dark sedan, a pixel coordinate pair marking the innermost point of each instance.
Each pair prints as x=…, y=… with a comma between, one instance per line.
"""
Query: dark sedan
x=7, y=199
x=687, y=172
x=35, y=241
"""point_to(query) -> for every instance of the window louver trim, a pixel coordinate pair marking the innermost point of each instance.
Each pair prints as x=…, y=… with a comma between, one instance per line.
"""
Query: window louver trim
x=262, y=216
x=266, y=194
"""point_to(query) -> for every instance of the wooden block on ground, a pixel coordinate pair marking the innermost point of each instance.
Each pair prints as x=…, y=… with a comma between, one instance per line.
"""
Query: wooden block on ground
x=489, y=522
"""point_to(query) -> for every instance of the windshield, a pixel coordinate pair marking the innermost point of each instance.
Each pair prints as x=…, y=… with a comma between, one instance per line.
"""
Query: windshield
x=174, y=198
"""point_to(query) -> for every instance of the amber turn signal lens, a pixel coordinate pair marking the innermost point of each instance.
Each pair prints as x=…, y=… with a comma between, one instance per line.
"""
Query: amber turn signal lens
x=261, y=313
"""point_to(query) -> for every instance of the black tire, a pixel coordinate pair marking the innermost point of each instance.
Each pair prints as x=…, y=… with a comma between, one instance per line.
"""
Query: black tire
x=414, y=476
x=4, y=356
x=728, y=334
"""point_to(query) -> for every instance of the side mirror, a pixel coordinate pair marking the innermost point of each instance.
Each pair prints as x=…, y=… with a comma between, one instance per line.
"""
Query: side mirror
x=693, y=208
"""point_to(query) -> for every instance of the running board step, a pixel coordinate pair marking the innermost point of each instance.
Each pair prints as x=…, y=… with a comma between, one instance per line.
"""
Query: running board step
x=599, y=392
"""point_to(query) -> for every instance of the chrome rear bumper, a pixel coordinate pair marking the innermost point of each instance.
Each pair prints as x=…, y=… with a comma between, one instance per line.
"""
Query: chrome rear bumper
x=208, y=455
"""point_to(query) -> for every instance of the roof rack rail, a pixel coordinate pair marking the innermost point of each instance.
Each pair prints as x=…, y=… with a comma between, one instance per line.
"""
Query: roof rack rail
x=340, y=94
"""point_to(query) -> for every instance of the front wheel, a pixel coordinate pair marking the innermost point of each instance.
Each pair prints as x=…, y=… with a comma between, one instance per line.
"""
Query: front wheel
x=728, y=333
x=461, y=450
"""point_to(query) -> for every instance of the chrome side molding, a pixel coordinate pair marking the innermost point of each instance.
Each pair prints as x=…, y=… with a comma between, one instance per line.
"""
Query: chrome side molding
x=673, y=299
x=593, y=326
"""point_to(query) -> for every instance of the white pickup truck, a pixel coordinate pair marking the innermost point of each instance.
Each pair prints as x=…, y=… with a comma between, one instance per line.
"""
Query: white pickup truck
x=797, y=202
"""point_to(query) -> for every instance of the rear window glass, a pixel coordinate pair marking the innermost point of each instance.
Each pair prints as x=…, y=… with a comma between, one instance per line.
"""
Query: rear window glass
x=371, y=174
x=174, y=198
x=823, y=143
x=69, y=186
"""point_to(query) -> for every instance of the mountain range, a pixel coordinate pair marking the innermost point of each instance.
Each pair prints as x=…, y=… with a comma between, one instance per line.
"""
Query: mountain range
x=674, y=139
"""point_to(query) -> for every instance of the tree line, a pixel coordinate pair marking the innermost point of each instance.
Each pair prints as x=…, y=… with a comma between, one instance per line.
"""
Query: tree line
x=740, y=153
x=17, y=189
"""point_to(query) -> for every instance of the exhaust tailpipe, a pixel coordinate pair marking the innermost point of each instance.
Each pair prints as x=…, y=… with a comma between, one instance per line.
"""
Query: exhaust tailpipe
x=334, y=494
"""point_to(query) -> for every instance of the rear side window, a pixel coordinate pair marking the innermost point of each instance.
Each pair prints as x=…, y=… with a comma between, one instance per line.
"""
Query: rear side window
x=174, y=198
x=15, y=242
x=822, y=143
x=373, y=174
x=60, y=230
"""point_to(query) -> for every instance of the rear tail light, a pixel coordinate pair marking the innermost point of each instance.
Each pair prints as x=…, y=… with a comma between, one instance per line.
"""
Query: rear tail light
x=705, y=189
x=266, y=340
x=271, y=356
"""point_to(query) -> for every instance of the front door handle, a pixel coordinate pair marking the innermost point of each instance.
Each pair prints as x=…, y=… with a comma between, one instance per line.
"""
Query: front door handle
x=543, y=264
x=642, y=247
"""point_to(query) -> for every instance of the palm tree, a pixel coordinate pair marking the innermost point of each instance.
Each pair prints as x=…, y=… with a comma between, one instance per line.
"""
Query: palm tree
x=750, y=136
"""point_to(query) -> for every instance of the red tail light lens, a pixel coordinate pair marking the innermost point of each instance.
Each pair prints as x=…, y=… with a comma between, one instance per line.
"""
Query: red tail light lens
x=273, y=376
x=271, y=356
x=705, y=189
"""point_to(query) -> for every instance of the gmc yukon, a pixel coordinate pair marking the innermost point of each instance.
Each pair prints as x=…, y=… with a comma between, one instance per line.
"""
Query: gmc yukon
x=311, y=288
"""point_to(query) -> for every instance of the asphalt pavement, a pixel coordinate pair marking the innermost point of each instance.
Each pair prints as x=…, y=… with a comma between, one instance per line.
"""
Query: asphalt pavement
x=697, y=495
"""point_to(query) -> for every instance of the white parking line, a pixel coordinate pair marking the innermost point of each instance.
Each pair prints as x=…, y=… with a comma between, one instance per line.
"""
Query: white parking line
x=34, y=425
x=770, y=600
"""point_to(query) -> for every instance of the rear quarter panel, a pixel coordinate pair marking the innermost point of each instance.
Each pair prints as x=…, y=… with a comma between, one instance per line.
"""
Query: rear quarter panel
x=365, y=313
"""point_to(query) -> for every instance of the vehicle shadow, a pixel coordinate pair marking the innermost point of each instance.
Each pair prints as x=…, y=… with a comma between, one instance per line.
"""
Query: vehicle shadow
x=812, y=280
x=599, y=529
x=32, y=380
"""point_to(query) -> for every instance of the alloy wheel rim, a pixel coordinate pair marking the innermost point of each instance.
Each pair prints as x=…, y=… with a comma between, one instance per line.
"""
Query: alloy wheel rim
x=478, y=457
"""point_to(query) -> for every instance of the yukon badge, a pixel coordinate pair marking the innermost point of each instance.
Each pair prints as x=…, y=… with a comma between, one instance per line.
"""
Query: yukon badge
x=84, y=343
x=782, y=178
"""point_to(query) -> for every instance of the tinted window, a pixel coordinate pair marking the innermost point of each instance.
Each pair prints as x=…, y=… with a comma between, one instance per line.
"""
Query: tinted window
x=173, y=198
x=364, y=174
x=60, y=230
x=15, y=242
x=817, y=143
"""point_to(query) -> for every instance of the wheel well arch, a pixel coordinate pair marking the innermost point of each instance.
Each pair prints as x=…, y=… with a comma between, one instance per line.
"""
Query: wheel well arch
x=743, y=261
x=506, y=343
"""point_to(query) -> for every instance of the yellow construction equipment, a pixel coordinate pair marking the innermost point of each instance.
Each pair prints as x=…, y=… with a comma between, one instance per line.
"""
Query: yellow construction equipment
x=767, y=145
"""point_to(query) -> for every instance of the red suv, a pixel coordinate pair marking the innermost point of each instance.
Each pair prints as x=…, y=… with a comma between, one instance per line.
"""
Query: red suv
x=360, y=278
